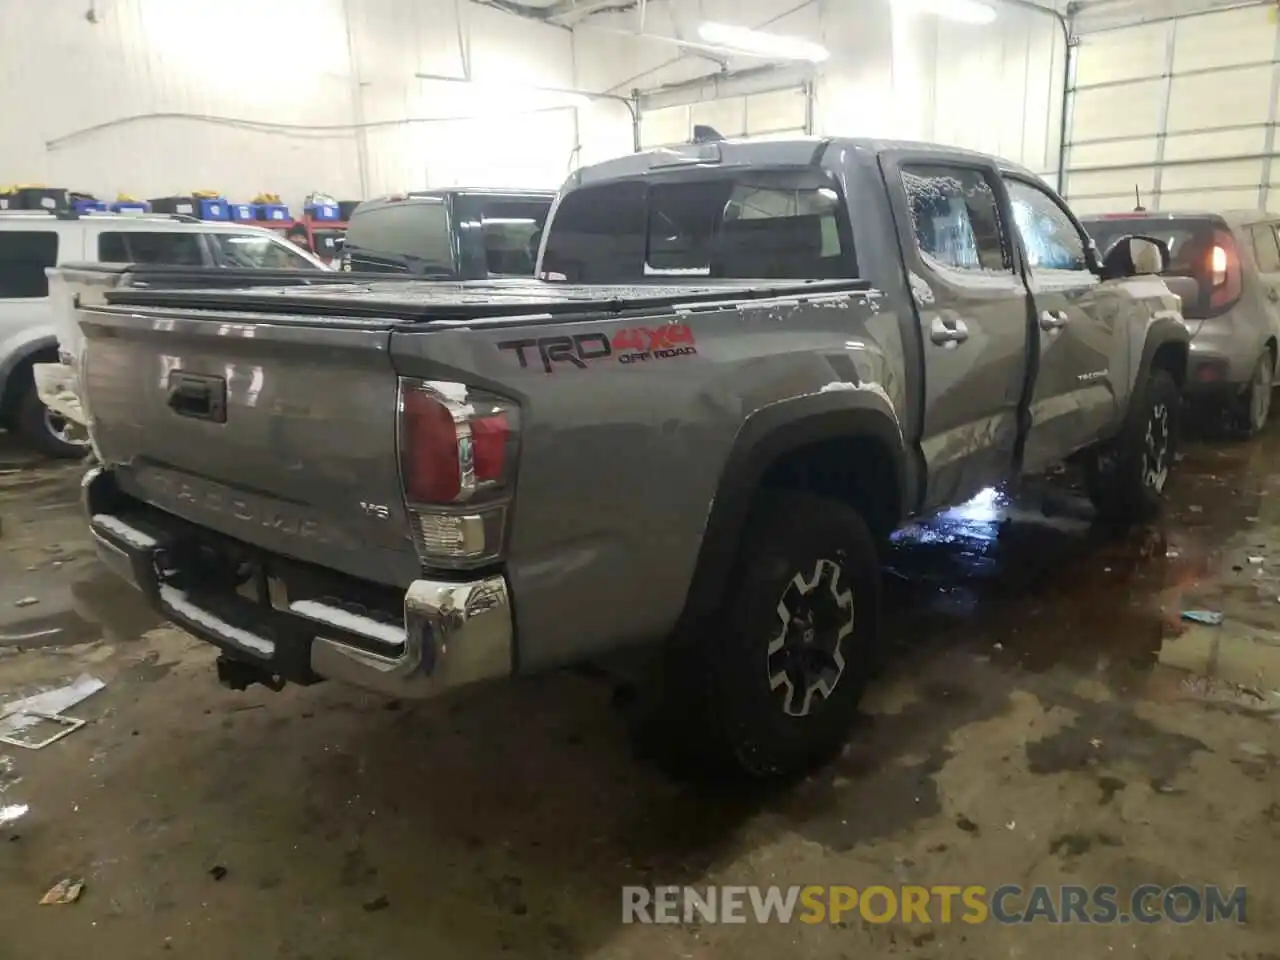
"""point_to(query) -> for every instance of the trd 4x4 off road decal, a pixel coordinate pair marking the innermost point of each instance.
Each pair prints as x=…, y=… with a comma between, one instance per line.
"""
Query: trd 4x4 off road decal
x=630, y=345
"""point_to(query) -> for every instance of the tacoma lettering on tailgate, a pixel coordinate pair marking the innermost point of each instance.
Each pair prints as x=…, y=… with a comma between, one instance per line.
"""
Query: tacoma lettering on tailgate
x=191, y=494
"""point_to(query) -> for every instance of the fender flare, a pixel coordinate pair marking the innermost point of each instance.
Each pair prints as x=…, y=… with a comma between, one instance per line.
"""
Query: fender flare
x=1162, y=331
x=764, y=437
x=14, y=361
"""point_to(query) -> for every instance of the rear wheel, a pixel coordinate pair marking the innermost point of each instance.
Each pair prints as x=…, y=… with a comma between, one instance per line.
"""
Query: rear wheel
x=1254, y=407
x=785, y=668
x=50, y=433
x=1126, y=478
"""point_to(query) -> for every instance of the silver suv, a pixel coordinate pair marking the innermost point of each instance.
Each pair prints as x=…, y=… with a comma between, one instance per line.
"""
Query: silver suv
x=1232, y=309
x=33, y=241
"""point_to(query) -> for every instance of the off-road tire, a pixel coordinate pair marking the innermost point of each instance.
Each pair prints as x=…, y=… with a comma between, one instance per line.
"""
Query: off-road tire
x=33, y=426
x=798, y=551
x=1126, y=478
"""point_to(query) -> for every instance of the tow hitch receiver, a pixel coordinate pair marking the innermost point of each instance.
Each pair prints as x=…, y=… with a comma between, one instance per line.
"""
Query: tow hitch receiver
x=239, y=675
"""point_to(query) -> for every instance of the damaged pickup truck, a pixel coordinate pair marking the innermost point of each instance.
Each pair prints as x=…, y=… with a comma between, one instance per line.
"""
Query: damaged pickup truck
x=742, y=367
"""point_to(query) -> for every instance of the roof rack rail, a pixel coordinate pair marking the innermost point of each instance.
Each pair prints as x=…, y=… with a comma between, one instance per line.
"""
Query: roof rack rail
x=124, y=215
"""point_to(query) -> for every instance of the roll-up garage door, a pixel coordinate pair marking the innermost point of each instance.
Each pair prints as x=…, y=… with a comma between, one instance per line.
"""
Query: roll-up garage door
x=1180, y=114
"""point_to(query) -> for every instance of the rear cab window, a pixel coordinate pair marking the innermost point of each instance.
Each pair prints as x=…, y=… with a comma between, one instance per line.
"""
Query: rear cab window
x=747, y=224
x=411, y=235
x=24, y=255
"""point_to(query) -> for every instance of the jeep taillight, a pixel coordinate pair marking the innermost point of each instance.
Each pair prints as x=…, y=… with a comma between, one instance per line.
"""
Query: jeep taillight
x=457, y=449
x=1225, y=281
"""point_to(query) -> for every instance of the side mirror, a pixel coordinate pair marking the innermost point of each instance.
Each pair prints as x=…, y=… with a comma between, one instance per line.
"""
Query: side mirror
x=1135, y=255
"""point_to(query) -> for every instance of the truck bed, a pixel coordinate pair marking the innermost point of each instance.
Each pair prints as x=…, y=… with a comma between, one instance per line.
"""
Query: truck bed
x=463, y=301
x=299, y=453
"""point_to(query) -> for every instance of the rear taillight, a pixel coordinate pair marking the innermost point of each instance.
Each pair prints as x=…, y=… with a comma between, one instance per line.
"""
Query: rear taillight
x=1218, y=266
x=1223, y=268
x=457, y=448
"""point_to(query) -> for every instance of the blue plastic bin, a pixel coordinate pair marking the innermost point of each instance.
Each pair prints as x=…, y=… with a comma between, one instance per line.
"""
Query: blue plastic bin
x=214, y=209
x=87, y=206
x=273, y=211
x=243, y=211
x=324, y=211
x=130, y=206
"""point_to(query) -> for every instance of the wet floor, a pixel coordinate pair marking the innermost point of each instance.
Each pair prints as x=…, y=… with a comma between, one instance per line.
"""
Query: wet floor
x=1047, y=716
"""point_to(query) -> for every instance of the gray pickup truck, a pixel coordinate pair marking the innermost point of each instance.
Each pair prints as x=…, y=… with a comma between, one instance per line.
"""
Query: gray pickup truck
x=741, y=367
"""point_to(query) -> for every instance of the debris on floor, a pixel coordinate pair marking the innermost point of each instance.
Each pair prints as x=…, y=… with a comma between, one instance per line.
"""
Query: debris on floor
x=23, y=737
x=1210, y=618
x=67, y=890
x=18, y=715
x=27, y=602
x=12, y=812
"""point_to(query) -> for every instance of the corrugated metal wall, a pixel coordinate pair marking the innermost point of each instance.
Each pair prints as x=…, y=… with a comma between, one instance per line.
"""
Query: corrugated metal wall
x=71, y=87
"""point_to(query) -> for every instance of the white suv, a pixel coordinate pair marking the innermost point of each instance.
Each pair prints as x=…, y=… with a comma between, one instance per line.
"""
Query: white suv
x=46, y=413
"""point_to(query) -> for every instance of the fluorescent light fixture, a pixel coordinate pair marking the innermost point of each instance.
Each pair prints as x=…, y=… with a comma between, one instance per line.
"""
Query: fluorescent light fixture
x=760, y=44
x=962, y=11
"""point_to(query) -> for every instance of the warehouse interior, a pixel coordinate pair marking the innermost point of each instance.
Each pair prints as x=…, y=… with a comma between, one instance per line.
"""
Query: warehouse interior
x=365, y=97
x=1064, y=707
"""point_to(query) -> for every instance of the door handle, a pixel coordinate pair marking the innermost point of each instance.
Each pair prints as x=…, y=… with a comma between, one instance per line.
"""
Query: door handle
x=948, y=330
x=197, y=396
x=1054, y=321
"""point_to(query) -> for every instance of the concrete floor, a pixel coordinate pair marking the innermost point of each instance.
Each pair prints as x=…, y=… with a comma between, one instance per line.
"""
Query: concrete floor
x=1046, y=719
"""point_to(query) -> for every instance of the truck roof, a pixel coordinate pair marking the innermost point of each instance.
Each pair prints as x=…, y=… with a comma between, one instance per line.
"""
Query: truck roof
x=440, y=194
x=1234, y=218
x=793, y=151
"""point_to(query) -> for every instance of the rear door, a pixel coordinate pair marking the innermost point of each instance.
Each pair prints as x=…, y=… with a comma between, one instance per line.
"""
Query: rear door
x=973, y=312
x=1266, y=252
x=1079, y=323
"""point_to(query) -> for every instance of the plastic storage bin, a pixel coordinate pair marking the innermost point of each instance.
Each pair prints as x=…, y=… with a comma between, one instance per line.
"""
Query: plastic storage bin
x=213, y=208
x=130, y=206
x=324, y=211
x=243, y=211
x=273, y=211
x=184, y=206
x=84, y=205
x=34, y=198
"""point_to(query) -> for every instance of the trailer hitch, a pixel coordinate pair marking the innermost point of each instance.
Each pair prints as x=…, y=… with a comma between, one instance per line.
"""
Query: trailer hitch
x=239, y=675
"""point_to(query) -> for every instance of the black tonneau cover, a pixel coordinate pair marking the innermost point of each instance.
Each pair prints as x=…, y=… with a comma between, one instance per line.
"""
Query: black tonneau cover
x=374, y=296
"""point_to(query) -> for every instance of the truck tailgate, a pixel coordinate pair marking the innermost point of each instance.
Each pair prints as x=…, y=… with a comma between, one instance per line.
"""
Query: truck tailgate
x=277, y=431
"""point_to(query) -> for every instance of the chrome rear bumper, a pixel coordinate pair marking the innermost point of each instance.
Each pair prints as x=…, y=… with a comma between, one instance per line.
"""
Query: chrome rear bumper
x=453, y=633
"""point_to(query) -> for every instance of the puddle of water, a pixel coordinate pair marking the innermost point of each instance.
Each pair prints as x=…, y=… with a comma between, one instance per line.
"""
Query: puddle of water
x=79, y=602
x=1042, y=592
